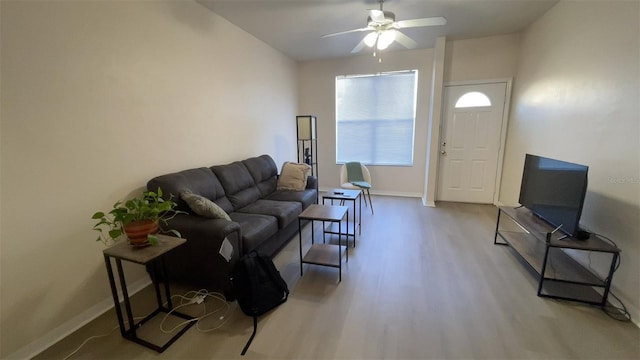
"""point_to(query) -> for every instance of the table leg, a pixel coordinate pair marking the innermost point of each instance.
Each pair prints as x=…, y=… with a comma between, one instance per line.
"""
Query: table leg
x=346, y=248
x=355, y=212
x=300, y=240
x=157, y=274
x=360, y=216
x=495, y=235
x=114, y=292
x=544, y=267
x=605, y=295
x=340, y=250
x=127, y=303
x=167, y=291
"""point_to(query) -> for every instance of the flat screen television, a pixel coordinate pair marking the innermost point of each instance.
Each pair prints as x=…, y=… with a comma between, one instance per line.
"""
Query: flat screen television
x=554, y=190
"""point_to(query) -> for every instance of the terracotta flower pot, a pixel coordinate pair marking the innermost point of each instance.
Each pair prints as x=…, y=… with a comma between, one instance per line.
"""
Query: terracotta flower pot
x=137, y=231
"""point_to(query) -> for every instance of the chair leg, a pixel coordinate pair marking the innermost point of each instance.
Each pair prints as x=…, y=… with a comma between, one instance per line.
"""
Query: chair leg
x=370, y=203
x=364, y=196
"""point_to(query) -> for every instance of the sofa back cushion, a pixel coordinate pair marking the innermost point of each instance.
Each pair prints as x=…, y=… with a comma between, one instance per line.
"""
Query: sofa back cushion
x=201, y=181
x=238, y=184
x=264, y=172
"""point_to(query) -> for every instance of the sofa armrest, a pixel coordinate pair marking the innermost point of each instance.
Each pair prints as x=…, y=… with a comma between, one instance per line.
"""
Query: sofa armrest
x=312, y=182
x=199, y=229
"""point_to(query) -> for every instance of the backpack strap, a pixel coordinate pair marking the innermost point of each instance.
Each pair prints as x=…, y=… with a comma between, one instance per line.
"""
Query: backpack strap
x=250, y=267
x=255, y=328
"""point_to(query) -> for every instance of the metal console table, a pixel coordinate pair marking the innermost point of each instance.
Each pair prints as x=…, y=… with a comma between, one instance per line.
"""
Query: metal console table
x=152, y=255
x=560, y=275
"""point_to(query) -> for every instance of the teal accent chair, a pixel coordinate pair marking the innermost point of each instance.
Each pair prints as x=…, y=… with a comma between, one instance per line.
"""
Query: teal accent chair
x=345, y=184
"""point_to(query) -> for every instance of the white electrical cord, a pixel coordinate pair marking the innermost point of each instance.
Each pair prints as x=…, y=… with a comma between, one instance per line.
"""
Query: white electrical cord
x=197, y=298
x=189, y=298
x=96, y=337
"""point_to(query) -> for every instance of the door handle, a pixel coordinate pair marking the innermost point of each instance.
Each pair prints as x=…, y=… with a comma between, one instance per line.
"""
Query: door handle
x=443, y=152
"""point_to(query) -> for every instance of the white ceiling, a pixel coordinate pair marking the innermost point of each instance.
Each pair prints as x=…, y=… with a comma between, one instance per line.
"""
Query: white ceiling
x=294, y=27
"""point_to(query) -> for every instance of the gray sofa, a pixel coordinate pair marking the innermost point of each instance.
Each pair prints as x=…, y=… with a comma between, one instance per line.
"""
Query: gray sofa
x=263, y=218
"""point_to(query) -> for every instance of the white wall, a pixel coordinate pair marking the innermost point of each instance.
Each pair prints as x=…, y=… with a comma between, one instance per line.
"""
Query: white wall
x=316, y=84
x=97, y=98
x=492, y=57
x=576, y=98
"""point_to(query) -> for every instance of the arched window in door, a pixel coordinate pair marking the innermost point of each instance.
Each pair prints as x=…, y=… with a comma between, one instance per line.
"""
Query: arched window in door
x=473, y=99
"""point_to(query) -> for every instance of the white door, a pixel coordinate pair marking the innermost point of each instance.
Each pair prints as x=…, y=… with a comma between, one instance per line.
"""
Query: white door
x=470, y=142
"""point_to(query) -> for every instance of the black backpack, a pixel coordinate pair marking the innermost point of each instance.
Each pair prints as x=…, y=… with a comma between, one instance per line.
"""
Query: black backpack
x=258, y=287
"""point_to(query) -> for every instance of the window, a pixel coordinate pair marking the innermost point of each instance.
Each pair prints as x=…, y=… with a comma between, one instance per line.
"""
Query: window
x=473, y=99
x=375, y=117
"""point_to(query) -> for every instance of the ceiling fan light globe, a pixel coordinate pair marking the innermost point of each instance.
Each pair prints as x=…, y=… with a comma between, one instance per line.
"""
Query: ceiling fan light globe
x=370, y=39
x=386, y=39
x=388, y=36
x=382, y=46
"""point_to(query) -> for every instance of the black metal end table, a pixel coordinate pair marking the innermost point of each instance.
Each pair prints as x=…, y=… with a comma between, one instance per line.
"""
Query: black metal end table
x=343, y=195
x=324, y=254
x=152, y=255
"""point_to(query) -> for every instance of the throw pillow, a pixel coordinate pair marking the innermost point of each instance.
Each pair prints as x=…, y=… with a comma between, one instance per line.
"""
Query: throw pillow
x=203, y=206
x=293, y=176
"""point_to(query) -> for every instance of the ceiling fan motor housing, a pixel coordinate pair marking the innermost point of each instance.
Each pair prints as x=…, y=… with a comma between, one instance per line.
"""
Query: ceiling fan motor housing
x=389, y=18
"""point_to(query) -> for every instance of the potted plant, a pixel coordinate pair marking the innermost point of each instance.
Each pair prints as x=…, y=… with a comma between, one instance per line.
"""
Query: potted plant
x=138, y=218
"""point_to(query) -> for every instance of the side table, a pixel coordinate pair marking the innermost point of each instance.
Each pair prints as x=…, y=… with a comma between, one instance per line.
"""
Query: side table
x=346, y=195
x=152, y=255
x=324, y=254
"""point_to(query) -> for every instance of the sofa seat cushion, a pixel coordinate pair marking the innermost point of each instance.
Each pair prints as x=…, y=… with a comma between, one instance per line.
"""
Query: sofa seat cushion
x=284, y=211
x=254, y=228
x=305, y=197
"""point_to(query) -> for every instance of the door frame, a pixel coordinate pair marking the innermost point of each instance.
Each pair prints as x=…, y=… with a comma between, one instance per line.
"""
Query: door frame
x=503, y=128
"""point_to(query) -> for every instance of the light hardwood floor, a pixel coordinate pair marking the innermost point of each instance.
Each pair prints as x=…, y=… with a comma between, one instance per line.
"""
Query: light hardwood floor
x=422, y=283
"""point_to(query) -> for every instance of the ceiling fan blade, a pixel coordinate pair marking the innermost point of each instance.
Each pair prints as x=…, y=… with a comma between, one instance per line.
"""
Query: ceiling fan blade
x=377, y=16
x=405, y=41
x=358, y=47
x=430, y=21
x=347, y=32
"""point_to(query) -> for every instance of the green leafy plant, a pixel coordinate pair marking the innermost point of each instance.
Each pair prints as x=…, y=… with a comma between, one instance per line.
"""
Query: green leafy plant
x=149, y=206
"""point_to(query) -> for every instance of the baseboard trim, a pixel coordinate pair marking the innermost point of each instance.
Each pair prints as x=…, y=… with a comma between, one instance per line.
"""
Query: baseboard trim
x=513, y=205
x=64, y=330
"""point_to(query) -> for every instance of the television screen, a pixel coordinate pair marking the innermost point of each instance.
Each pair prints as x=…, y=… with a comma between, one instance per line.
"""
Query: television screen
x=554, y=190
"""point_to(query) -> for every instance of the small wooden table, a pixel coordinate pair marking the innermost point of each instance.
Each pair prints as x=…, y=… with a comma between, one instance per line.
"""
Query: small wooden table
x=346, y=195
x=152, y=255
x=324, y=254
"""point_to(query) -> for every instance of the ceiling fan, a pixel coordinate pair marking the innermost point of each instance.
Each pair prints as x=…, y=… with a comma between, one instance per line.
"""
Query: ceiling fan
x=385, y=30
